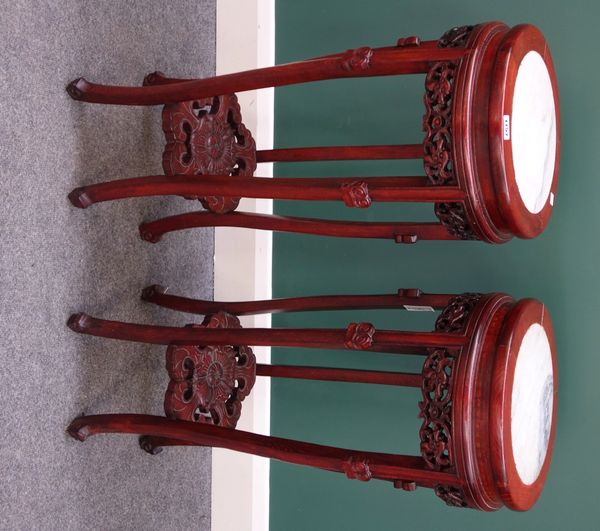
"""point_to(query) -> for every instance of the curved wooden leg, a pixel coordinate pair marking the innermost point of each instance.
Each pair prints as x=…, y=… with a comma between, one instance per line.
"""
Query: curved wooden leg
x=354, y=193
x=355, y=464
x=357, y=336
x=399, y=232
x=352, y=63
x=404, y=299
x=153, y=185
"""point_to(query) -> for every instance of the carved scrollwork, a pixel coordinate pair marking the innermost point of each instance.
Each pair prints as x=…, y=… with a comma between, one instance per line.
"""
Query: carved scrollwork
x=453, y=496
x=209, y=383
x=455, y=315
x=437, y=124
x=356, y=194
x=454, y=217
x=357, y=59
x=455, y=37
x=207, y=137
x=359, y=336
x=436, y=410
x=357, y=467
x=437, y=390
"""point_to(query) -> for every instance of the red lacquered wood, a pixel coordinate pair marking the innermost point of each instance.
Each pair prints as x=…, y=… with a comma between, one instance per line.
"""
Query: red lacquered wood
x=375, y=465
x=158, y=295
x=353, y=63
x=366, y=338
x=308, y=154
x=399, y=232
x=356, y=192
x=339, y=375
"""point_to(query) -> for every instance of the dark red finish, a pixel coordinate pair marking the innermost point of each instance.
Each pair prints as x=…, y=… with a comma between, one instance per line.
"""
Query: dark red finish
x=398, y=231
x=308, y=154
x=158, y=295
x=465, y=384
x=470, y=75
x=389, y=467
x=340, y=375
x=382, y=340
x=352, y=63
x=314, y=189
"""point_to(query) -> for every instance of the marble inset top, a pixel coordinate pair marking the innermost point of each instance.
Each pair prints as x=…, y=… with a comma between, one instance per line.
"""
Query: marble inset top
x=532, y=403
x=533, y=131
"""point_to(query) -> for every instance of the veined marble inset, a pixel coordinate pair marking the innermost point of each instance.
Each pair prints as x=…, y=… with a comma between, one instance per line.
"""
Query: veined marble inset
x=532, y=403
x=533, y=132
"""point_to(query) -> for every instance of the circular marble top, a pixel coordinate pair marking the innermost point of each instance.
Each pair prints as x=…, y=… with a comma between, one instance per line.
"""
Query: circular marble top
x=523, y=407
x=533, y=131
x=508, y=158
x=532, y=403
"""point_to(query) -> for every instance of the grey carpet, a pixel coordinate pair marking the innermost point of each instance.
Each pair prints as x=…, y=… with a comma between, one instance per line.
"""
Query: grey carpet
x=55, y=259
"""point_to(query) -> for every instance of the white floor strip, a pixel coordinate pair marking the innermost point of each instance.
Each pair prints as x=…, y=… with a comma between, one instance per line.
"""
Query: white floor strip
x=240, y=483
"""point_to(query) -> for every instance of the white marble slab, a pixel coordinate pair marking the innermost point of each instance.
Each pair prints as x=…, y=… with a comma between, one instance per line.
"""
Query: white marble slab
x=533, y=132
x=532, y=403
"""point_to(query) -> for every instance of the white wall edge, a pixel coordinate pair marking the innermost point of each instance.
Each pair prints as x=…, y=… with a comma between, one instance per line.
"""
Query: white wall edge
x=243, y=258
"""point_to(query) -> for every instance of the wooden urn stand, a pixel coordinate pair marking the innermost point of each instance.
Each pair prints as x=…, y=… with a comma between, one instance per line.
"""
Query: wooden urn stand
x=490, y=152
x=487, y=389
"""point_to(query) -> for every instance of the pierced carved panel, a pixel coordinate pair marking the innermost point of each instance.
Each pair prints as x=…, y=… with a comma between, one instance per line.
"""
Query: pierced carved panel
x=454, y=217
x=436, y=410
x=209, y=383
x=455, y=315
x=437, y=390
x=455, y=37
x=207, y=137
x=437, y=124
x=453, y=496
